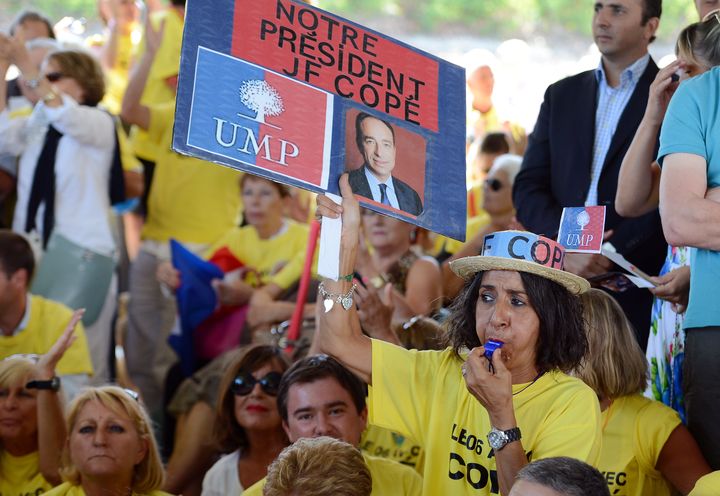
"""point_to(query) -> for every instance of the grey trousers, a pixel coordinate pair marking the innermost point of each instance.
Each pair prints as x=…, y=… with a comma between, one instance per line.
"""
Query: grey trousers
x=151, y=315
x=701, y=385
x=99, y=336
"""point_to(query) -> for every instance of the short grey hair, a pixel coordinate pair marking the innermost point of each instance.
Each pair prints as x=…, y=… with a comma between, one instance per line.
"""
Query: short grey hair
x=567, y=476
x=509, y=163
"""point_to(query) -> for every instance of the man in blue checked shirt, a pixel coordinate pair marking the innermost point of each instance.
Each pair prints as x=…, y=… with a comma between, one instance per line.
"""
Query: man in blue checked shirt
x=584, y=128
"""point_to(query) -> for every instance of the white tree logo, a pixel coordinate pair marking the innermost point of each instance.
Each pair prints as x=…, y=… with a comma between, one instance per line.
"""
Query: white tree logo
x=583, y=219
x=260, y=97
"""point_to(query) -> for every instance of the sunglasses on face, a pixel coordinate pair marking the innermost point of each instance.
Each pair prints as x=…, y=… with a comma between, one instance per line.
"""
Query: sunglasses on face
x=54, y=77
x=244, y=383
x=494, y=184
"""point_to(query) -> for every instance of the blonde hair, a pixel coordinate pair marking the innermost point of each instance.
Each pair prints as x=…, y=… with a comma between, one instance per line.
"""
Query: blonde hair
x=14, y=370
x=303, y=468
x=699, y=43
x=614, y=365
x=149, y=473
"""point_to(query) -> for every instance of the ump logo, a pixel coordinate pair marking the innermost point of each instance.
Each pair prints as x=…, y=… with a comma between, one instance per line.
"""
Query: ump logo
x=264, y=100
x=582, y=219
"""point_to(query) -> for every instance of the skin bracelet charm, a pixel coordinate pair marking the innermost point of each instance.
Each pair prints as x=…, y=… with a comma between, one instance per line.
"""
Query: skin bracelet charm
x=329, y=299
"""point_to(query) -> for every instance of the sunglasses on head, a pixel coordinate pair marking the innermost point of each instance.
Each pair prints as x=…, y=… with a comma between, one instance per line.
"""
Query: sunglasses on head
x=494, y=184
x=54, y=77
x=244, y=383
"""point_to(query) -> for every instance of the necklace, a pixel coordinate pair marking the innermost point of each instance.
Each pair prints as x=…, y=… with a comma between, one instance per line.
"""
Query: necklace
x=533, y=382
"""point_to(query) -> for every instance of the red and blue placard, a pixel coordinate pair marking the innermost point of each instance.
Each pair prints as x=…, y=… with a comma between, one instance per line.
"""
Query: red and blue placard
x=281, y=89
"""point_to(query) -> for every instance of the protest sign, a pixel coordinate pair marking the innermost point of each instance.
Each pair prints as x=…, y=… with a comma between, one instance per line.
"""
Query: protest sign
x=295, y=94
x=581, y=229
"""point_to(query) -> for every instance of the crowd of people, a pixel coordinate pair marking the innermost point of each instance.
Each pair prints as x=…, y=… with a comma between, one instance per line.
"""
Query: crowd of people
x=430, y=366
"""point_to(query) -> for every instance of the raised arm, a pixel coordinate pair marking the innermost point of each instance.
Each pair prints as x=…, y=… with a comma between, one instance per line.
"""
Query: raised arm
x=339, y=329
x=133, y=111
x=638, y=189
x=51, y=418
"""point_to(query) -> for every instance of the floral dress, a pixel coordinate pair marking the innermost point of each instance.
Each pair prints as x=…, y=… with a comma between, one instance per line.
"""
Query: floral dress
x=666, y=345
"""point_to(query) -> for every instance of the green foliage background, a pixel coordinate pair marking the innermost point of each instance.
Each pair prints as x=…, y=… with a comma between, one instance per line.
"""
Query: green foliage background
x=490, y=18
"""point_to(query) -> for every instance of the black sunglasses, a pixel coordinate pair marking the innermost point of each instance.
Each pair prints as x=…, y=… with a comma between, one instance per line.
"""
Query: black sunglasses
x=494, y=184
x=54, y=77
x=244, y=383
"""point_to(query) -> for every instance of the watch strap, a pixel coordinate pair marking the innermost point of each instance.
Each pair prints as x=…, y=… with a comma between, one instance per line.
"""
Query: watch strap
x=50, y=385
x=513, y=434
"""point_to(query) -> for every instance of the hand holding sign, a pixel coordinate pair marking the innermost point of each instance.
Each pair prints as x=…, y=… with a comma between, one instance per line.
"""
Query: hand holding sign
x=588, y=265
x=349, y=211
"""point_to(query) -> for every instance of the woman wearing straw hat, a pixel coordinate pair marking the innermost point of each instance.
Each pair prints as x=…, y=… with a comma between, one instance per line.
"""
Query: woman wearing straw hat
x=480, y=419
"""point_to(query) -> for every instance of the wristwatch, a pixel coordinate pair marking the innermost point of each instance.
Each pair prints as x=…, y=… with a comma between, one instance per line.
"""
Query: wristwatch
x=50, y=385
x=498, y=439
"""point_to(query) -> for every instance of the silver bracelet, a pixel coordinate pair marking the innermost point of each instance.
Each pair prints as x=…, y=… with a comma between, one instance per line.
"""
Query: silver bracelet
x=329, y=299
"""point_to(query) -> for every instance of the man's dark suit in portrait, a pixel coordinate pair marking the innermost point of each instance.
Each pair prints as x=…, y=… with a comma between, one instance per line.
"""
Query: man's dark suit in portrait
x=375, y=139
x=585, y=126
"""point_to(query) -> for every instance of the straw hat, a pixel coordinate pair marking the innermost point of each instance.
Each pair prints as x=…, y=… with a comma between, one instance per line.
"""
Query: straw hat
x=522, y=252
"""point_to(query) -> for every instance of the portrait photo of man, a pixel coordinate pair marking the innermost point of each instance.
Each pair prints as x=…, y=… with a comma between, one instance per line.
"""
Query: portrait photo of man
x=374, y=179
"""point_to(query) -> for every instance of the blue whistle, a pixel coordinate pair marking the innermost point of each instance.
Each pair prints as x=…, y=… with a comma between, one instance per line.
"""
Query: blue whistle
x=490, y=346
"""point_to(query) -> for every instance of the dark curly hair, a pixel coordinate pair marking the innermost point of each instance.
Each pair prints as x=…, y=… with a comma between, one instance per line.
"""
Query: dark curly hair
x=562, y=342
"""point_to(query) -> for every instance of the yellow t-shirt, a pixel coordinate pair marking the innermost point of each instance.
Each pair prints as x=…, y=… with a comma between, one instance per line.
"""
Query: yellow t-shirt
x=708, y=485
x=116, y=79
x=277, y=260
x=636, y=429
x=422, y=394
x=46, y=323
x=67, y=489
x=384, y=443
x=191, y=200
x=20, y=475
x=475, y=197
x=389, y=478
x=165, y=65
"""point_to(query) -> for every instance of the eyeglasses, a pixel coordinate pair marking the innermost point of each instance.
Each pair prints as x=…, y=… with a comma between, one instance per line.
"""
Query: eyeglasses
x=494, y=184
x=244, y=383
x=54, y=77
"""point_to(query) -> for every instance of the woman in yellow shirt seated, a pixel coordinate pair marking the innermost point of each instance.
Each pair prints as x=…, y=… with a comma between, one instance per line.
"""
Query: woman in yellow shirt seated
x=646, y=450
x=268, y=253
x=32, y=427
x=110, y=447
